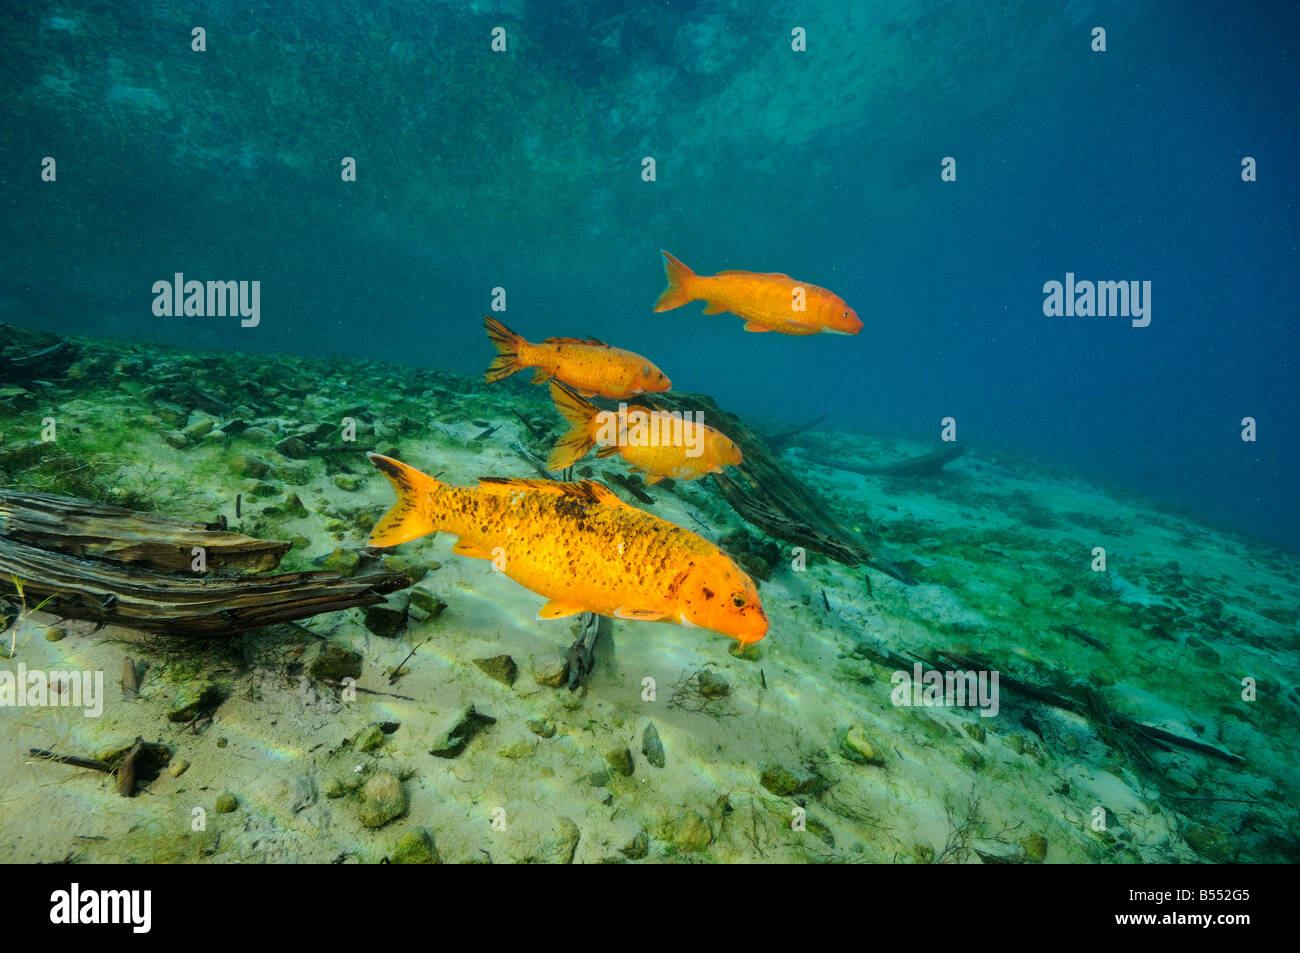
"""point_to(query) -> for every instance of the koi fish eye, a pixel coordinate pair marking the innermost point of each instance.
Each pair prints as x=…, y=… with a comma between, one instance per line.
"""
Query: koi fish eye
x=846, y=314
x=738, y=600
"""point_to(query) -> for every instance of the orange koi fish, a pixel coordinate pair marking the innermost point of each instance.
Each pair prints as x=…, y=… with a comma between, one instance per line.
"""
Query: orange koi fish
x=767, y=302
x=591, y=367
x=654, y=442
x=581, y=547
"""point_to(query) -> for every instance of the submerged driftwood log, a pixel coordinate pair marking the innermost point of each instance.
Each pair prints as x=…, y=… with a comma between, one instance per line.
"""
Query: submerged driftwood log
x=1129, y=735
x=764, y=492
x=118, y=580
x=85, y=528
x=929, y=464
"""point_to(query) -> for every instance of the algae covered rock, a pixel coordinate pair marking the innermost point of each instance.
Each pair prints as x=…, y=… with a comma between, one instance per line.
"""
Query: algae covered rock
x=999, y=852
x=620, y=759
x=458, y=730
x=429, y=605
x=858, y=748
x=711, y=685
x=637, y=848
x=652, y=747
x=552, y=671
x=415, y=847
x=783, y=781
x=227, y=803
x=247, y=466
x=293, y=448
x=500, y=667
x=192, y=697
x=382, y=800
x=542, y=727
x=692, y=832
x=1035, y=847
x=388, y=619
x=335, y=662
x=342, y=560
x=565, y=842
x=199, y=427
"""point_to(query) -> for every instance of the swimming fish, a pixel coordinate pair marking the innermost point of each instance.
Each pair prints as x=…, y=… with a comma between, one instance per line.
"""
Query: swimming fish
x=767, y=302
x=580, y=546
x=653, y=442
x=591, y=367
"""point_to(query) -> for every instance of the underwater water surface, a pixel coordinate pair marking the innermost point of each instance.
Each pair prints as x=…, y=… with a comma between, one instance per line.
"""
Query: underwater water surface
x=958, y=523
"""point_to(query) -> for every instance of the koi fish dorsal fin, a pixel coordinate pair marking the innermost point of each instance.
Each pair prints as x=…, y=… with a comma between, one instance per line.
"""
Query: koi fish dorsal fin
x=588, y=490
x=590, y=342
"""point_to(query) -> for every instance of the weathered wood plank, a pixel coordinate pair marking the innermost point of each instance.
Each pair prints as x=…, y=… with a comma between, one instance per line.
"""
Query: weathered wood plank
x=176, y=604
x=86, y=528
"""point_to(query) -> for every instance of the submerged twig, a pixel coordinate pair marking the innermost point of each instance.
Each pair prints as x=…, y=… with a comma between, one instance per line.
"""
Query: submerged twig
x=76, y=762
x=396, y=672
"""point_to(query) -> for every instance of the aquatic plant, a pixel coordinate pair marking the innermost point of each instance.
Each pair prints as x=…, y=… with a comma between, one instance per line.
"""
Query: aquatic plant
x=15, y=612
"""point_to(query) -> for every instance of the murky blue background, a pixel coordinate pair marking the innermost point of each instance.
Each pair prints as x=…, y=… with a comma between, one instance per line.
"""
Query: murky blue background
x=522, y=170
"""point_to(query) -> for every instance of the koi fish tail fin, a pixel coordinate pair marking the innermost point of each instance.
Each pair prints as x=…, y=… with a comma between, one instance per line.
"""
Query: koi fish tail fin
x=411, y=516
x=507, y=344
x=575, y=444
x=679, y=290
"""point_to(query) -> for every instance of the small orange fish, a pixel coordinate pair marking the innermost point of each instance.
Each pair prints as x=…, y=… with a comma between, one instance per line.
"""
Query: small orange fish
x=767, y=302
x=592, y=367
x=581, y=547
x=655, y=443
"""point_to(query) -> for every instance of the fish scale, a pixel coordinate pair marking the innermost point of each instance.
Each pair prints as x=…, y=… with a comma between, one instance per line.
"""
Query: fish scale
x=547, y=531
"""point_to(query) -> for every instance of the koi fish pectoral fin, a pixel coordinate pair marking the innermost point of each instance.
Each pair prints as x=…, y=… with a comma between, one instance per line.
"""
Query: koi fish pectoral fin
x=639, y=615
x=558, y=609
x=652, y=478
x=463, y=548
x=756, y=328
x=541, y=375
x=715, y=307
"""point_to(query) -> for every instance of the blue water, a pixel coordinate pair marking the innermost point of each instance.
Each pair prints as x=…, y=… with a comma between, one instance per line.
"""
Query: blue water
x=522, y=170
